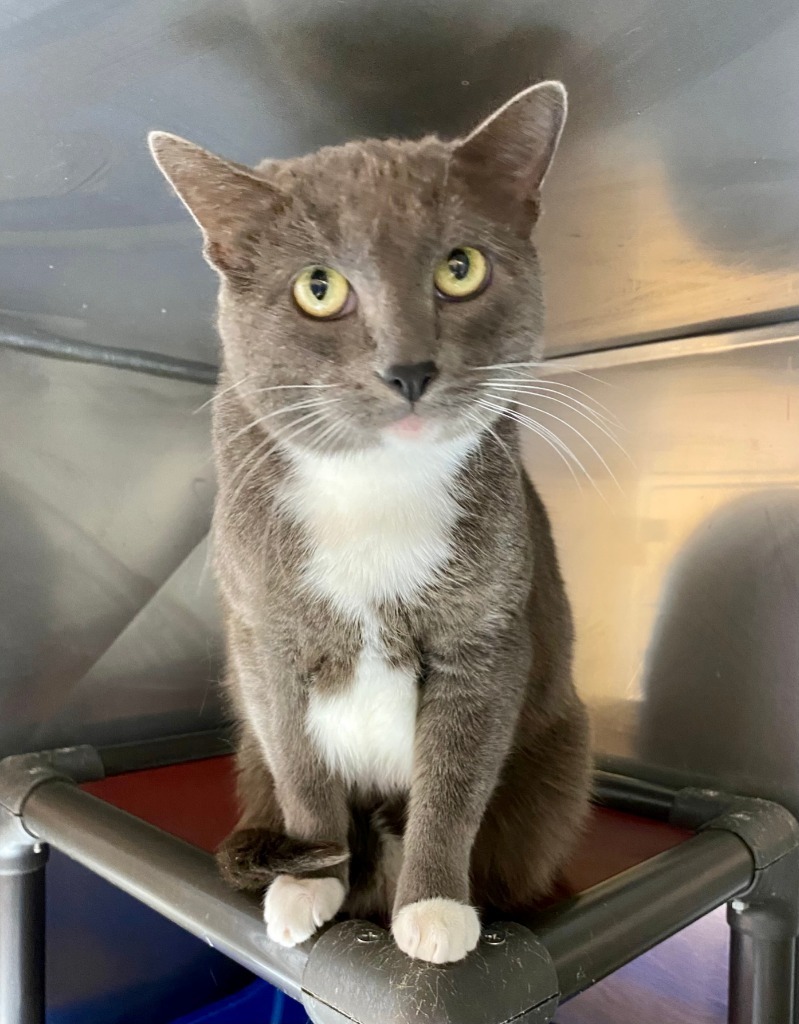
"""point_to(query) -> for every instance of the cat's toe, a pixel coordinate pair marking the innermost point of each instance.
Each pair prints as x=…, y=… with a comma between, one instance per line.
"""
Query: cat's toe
x=439, y=931
x=295, y=907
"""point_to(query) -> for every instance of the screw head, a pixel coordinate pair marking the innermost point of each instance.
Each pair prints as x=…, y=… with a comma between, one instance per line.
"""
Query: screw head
x=494, y=936
x=367, y=935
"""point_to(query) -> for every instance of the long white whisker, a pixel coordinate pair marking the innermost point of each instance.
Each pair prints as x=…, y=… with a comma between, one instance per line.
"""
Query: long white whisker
x=260, y=391
x=537, y=389
x=307, y=403
x=552, y=385
x=331, y=432
x=276, y=439
x=570, y=426
x=548, y=367
x=549, y=370
x=593, y=419
x=552, y=439
x=224, y=391
x=266, y=440
x=292, y=387
x=489, y=429
x=503, y=366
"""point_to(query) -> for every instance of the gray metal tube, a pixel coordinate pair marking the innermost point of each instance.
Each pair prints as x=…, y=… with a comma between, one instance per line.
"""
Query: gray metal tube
x=138, y=361
x=169, y=875
x=761, y=979
x=22, y=958
x=592, y=935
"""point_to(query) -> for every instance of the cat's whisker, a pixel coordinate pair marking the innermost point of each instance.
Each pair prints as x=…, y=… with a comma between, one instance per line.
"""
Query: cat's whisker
x=260, y=462
x=564, y=398
x=258, y=391
x=562, y=450
x=546, y=367
x=224, y=391
x=570, y=426
x=485, y=425
x=472, y=417
x=330, y=433
x=556, y=368
x=601, y=424
x=254, y=462
x=555, y=386
x=569, y=403
x=551, y=438
x=503, y=366
x=307, y=403
x=283, y=438
x=287, y=387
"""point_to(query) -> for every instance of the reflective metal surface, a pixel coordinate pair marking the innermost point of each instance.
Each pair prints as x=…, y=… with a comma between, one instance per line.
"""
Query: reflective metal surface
x=105, y=495
x=674, y=205
x=684, y=575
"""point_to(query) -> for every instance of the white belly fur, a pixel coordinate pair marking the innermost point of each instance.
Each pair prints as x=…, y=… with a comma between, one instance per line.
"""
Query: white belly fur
x=365, y=732
x=380, y=525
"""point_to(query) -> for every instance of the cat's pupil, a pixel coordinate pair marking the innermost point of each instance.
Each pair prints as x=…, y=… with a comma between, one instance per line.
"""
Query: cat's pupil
x=318, y=284
x=458, y=263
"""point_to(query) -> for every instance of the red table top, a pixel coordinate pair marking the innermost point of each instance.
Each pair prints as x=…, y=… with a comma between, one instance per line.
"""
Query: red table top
x=196, y=802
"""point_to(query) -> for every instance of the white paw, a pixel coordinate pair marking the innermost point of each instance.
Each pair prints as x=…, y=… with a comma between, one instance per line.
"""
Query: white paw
x=295, y=907
x=439, y=931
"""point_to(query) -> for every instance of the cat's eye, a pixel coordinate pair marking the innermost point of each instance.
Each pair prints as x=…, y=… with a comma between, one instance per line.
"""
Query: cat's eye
x=462, y=275
x=322, y=292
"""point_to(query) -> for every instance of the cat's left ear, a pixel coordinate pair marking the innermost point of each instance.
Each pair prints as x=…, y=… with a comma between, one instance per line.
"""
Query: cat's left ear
x=504, y=161
x=228, y=201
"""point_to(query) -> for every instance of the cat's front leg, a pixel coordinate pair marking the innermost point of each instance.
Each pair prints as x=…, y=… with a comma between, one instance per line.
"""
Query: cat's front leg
x=468, y=713
x=315, y=814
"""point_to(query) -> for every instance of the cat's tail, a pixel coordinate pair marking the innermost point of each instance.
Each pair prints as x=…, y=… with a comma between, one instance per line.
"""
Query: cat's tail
x=251, y=858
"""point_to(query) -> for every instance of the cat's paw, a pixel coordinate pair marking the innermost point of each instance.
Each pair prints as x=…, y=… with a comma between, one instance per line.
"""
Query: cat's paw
x=439, y=931
x=295, y=907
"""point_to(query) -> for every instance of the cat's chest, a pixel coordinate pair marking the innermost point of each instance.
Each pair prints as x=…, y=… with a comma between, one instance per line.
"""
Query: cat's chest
x=379, y=525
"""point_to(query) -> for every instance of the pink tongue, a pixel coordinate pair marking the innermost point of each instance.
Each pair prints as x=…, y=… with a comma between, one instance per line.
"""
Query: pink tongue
x=408, y=425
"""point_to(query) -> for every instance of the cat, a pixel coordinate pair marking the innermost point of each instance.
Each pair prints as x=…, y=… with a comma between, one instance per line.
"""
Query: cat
x=399, y=641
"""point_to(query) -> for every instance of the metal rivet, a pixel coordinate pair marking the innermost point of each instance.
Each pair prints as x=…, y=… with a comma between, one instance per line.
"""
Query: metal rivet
x=367, y=935
x=494, y=936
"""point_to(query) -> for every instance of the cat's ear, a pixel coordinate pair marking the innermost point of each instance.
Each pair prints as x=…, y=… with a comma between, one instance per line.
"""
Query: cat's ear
x=504, y=161
x=227, y=200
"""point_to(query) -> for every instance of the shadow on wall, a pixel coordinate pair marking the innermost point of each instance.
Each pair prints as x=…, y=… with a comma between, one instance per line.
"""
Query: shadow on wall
x=366, y=68
x=721, y=681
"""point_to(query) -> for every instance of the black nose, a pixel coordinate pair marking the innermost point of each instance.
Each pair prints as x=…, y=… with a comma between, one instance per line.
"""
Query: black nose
x=412, y=380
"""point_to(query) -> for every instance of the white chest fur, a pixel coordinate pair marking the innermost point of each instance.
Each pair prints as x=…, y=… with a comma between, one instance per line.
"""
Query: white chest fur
x=380, y=522
x=380, y=525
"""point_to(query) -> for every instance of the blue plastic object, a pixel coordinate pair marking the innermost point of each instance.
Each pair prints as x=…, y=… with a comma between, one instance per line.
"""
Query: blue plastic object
x=112, y=960
x=258, y=1003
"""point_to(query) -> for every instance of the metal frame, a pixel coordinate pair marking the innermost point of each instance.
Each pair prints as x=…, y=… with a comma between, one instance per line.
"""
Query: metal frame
x=745, y=853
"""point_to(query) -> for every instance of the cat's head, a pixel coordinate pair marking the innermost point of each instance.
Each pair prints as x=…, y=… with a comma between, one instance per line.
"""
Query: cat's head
x=368, y=291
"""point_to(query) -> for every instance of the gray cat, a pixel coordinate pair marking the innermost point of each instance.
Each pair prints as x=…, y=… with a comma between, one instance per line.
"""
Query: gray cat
x=399, y=639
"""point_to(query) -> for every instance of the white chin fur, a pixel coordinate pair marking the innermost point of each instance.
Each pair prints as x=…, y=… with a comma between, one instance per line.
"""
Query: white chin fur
x=295, y=907
x=438, y=931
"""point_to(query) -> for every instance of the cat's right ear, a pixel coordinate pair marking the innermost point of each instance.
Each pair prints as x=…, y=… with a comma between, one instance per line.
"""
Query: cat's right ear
x=227, y=200
x=504, y=161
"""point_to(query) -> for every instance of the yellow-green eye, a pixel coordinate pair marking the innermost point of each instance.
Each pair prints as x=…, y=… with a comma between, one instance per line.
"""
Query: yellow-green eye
x=463, y=274
x=321, y=292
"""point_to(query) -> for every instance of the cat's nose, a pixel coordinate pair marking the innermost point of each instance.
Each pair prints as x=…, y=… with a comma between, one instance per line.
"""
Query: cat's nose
x=411, y=380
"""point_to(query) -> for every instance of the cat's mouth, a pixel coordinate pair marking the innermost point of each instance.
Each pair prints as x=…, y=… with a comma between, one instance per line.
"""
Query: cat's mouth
x=409, y=425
